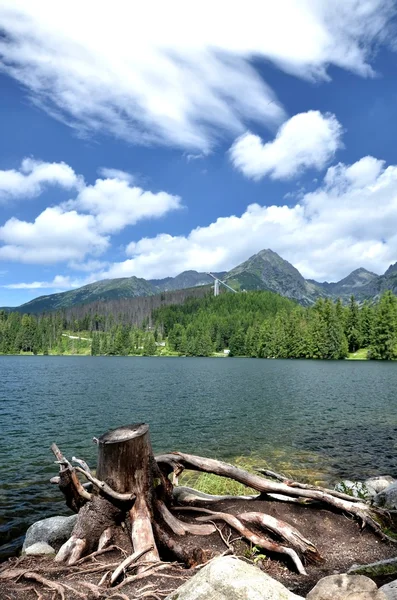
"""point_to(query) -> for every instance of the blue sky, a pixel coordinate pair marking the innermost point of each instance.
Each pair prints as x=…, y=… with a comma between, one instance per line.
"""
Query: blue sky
x=170, y=136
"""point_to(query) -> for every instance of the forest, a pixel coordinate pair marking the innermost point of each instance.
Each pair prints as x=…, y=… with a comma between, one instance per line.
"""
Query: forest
x=253, y=324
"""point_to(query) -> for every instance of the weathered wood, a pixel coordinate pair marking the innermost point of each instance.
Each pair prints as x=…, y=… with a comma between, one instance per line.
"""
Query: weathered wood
x=306, y=486
x=123, y=566
x=210, y=465
x=285, y=531
x=69, y=484
x=172, y=546
x=255, y=538
x=127, y=465
x=180, y=527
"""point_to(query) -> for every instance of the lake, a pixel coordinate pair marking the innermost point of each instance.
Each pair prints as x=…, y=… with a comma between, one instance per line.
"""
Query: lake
x=315, y=420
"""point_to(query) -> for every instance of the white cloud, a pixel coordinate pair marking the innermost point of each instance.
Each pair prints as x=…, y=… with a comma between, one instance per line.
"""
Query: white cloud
x=60, y=282
x=179, y=73
x=33, y=175
x=348, y=222
x=307, y=140
x=80, y=226
x=54, y=236
x=115, y=174
x=115, y=204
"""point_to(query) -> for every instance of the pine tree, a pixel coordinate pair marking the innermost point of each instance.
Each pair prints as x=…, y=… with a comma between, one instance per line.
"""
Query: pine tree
x=385, y=328
x=149, y=345
x=95, y=345
x=353, y=326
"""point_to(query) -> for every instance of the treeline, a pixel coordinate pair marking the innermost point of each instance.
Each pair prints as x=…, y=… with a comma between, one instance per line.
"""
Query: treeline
x=103, y=315
x=255, y=324
x=264, y=325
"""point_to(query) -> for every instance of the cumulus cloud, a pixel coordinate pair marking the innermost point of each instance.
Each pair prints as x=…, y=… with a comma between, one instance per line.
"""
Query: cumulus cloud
x=54, y=236
x=348, y=222
x=179, y=74
x=80, y=226
x=29, y=180
x=307, y=140
x=116, y=204
x=107, y=173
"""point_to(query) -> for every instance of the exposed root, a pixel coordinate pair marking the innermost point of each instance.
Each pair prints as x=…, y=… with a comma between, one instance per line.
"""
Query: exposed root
x=342, y=502
x=306, y=486
x=71, y=551
x=286, y=532
x=123, y=566
x=188, y=495
x=60, y=589
x=180, y=527
x=97, y=553
x=144, y=573
x=256, y=539
x=132, y=491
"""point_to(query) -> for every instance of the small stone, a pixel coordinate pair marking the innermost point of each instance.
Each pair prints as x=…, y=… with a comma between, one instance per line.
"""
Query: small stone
x=38, y=549
x=390, y=590
x=387, y=498
x=378, y=484
x=343, y=587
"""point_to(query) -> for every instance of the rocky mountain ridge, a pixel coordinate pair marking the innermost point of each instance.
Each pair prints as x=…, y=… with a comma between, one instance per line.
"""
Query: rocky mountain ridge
x=265, y=270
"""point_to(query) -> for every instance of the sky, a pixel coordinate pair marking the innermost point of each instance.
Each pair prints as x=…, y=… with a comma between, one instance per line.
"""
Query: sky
x=151, y=138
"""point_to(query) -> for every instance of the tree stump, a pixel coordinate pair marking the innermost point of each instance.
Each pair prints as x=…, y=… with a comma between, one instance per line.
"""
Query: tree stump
x=132, y=490
x=126, y=463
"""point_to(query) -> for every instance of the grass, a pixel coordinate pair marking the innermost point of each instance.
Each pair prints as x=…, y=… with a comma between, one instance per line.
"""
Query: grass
x=359, y=355
x=213, y=484
x=220, y=486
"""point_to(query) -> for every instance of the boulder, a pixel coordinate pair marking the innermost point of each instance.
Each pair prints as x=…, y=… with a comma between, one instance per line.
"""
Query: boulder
x=343, y=587
x=378, y=484
x=358, y=489
x=387, y=498
x=54, y=531
x=390, y=590
x=228, y=578
x=39, y=549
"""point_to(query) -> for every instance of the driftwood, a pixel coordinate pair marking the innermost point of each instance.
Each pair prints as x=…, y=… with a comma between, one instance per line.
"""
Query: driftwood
x=134, y=490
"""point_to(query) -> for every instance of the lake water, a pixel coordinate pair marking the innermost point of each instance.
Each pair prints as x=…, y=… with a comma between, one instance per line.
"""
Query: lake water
x=315, y=420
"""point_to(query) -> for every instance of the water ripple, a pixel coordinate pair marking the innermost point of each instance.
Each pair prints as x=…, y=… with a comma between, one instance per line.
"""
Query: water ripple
x=318, y=420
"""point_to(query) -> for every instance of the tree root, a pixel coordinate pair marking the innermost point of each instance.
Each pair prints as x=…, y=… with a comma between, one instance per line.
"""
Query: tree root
x=133, y=489
x=341, y=502
x=121, y=569
x=259, y=540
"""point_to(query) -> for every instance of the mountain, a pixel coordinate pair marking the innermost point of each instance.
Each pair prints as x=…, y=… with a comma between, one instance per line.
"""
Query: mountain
x=265, y=270
x=187, y=279
x=361, y=283
x=268, y=271
x=107, y=289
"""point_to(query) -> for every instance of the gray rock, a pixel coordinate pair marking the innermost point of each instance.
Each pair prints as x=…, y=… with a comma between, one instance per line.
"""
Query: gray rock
x=343, y=587
x=358, y=489
x=38, y=549
x=387, y=498
x=54, y=531
x=378, y=484
x=228, y=578
x=390, y=590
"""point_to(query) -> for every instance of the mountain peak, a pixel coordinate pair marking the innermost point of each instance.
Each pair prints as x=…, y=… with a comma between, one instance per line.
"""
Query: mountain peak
x=391, y=270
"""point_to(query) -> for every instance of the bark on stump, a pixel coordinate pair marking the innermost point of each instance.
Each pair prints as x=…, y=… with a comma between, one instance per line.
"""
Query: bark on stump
x=126, y=463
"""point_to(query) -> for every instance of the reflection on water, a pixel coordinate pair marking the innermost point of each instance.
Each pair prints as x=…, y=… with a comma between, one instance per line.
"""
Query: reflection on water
x=314, y=421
